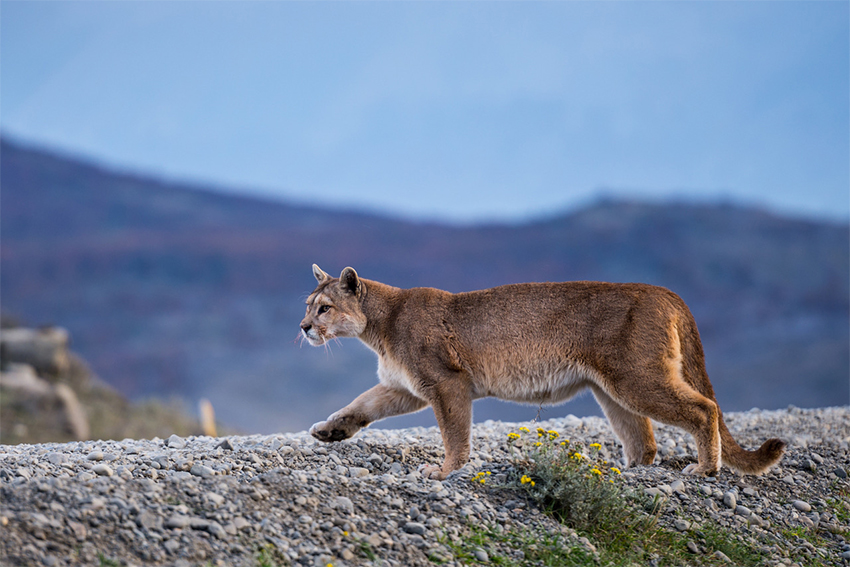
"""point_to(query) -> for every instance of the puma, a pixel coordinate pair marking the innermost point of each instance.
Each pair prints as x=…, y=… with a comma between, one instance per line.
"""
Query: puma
x=636, y=347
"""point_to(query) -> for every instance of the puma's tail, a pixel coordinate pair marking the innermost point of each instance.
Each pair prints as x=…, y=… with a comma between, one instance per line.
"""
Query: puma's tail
x=733, y=455
x=749, y=462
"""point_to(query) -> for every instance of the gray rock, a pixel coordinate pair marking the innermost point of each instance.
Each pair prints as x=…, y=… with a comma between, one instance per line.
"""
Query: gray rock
x=358, y=472
x=415, y=528
x=217, y=530
x=722, y=556
x=225, y=444
x=202, y=471
x=730, y=500
x=344, y=503
x=176, y=442
x=177, y=521
x=742, y=511
x=840, y=472
x=148, y=520
x=102, y=469
x=681, y=525
x=678, y=486
x=95, y=456
x=57, y=458
x=802, y=506
x=171, y=546
x=481, y=555
x=214, y=499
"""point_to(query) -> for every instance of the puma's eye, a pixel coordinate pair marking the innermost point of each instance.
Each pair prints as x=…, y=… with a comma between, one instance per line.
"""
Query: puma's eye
x=324, y=309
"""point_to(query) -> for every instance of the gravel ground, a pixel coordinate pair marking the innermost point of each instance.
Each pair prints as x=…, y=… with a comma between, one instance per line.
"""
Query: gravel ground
x=217, y=501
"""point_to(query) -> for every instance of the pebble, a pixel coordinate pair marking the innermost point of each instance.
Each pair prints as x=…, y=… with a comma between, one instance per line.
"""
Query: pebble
x=176, y=442
x=177, y=521
x=343, y=503
x=102, y=469
x=681, y=525
x=802, y=506
x=415, y=528
x=730, y=500
x=201, y=470
x=56, y=458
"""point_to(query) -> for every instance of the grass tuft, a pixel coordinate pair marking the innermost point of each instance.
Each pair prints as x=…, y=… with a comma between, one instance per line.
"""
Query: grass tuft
x=612, y=524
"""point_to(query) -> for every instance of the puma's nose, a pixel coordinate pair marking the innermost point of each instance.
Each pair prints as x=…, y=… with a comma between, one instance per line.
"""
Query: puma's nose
x=306, y=327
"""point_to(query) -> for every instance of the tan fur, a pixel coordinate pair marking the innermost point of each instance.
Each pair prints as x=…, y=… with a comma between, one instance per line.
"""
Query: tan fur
x=635, y=346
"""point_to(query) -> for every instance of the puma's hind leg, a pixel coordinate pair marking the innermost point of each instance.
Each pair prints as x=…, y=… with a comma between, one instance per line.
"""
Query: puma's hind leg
x=634, y=431
x=675, y=403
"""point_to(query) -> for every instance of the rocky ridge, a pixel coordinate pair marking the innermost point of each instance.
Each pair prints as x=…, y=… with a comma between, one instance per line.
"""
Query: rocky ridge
x=236, y=500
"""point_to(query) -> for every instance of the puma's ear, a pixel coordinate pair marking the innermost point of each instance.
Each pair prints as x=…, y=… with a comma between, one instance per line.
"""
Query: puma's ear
x=319, y=274
x=349, y=281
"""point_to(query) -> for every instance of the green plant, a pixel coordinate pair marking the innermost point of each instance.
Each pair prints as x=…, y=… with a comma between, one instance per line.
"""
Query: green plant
x=104, y=561
x=517, y=547
x=578, y=487
x=366, y=550
x=267, y=556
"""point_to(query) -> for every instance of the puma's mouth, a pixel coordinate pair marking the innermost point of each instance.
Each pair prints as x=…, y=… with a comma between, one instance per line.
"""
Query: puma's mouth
x=314, y=338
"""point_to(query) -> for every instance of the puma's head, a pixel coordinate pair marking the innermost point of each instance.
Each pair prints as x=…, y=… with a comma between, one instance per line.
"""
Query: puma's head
x=333, y=309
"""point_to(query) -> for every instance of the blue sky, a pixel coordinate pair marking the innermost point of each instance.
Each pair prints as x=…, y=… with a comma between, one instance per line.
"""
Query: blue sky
x=461, y=111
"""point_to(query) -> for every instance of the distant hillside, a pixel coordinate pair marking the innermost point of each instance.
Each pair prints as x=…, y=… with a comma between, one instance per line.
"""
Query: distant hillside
x=169, y=289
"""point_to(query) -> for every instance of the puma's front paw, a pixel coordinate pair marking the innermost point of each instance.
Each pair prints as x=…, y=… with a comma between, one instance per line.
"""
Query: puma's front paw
x=695, y=470
x=433, y=472
x=328, y=431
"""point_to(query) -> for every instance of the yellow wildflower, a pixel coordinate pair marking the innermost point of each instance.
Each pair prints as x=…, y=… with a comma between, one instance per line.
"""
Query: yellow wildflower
x=594, y=470
x=513, y=436
x=538, y=444
x=541, y=432
x=524, y=429
x=595, y=446
x=552, y=434
x=616, y=470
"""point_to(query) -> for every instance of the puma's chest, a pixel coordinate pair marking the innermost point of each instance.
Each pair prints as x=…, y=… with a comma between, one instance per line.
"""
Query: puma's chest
x=394, y=375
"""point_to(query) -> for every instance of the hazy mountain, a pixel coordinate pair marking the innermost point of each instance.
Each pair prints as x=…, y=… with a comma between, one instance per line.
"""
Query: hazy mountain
x=171, y=289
